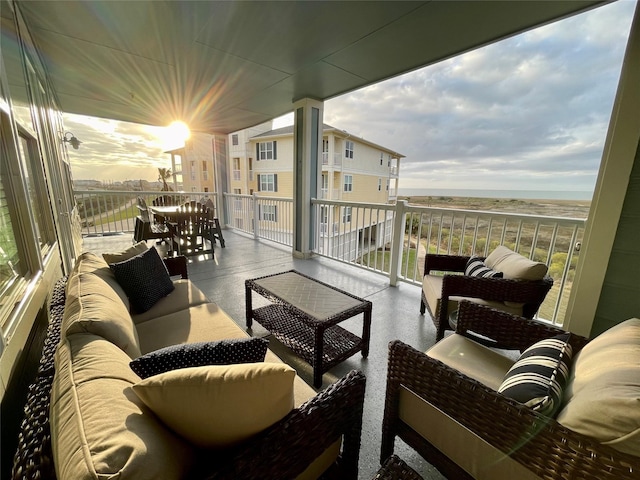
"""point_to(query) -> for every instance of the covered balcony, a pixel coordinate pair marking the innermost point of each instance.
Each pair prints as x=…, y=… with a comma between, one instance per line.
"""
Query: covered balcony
x=220, y=70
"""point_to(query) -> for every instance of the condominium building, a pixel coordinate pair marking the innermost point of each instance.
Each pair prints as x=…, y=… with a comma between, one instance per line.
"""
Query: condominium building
x=353, y=170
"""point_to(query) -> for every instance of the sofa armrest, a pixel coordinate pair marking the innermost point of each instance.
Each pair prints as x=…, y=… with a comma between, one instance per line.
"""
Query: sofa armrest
x=287, y=448
x=444, y=263
x=177, y=266
x=537, y=442
x=506, y=331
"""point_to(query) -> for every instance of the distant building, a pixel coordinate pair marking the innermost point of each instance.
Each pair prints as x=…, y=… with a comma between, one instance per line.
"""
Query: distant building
x=192, y=165
x=353, y=170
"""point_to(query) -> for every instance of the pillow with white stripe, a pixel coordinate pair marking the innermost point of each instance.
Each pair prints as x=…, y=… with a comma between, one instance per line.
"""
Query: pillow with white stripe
x=476, y=268
x=539, y=376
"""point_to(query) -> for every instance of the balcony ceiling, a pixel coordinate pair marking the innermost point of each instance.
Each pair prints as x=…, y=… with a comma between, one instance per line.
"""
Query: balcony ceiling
x=222, y=66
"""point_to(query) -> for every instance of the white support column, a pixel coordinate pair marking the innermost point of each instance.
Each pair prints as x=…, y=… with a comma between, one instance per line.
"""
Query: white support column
x=307, y=172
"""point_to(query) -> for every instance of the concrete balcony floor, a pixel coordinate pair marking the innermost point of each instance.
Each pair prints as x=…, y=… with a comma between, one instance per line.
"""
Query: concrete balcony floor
x=395, y=316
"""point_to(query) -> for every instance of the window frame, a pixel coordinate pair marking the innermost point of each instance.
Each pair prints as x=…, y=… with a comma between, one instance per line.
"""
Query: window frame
x=269, y=213
x=347, y=183
x=349, y=148
x=269, y=180
x=347, y=213
x=266, y=150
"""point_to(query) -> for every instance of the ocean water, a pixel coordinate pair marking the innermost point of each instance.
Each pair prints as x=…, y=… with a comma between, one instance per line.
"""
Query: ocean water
x=521, y=194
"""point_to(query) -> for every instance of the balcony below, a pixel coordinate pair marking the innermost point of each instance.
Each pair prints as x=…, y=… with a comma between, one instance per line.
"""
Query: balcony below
x=395, y=316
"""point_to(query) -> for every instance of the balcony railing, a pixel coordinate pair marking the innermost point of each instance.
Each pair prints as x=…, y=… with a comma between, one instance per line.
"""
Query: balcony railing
x=391, y=240
x=104, y=212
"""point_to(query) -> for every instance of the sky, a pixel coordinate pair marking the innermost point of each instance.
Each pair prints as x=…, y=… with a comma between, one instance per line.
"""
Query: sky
x=530, y=113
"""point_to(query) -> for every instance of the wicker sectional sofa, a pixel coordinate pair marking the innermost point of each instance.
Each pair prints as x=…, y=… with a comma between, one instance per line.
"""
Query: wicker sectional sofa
x=83, y=418
x=445, y=403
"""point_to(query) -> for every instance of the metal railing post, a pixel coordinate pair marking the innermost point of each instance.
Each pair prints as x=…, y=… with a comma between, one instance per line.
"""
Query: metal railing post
x=397, y=244
x=256, y=217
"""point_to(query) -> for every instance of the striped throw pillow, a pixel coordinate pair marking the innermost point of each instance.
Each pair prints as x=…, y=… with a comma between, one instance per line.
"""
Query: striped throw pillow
x=476, y=268
x=539, y=376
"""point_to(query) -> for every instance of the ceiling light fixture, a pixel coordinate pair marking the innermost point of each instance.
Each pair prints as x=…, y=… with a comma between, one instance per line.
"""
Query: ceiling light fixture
x=71, y=138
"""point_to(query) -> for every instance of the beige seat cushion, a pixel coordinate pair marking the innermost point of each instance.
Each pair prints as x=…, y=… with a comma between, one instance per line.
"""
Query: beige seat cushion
x=466, y=449
x=99, y=427
x=515, y=266
x=432, y=288
x=472, y=359
x=203, y=323
x=226, y=403
x=93, y=305
x=185, y=295
x=602, y=398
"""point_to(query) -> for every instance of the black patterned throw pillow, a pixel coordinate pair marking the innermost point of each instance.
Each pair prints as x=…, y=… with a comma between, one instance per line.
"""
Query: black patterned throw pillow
x=539, y=376
x=476, y=268
x=222, y=352
x=144, y=278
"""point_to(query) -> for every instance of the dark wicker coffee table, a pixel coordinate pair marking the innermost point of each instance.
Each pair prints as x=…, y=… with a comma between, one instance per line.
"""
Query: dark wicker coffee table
x=304, y=316
x=394, y=468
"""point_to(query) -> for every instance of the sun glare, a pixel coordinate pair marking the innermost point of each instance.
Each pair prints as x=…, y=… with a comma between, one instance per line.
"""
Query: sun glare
x=176, y=134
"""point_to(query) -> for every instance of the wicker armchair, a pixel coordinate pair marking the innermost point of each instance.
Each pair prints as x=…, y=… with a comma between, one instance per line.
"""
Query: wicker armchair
x=512, y=432
x=528, y=293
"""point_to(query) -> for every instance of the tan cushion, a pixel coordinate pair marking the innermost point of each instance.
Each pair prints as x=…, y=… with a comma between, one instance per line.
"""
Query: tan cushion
x=99, y=427
x=92, y=306
x=480, y=459
x=602, y=398
x=432, y=288
x=472, y=359
x=515, y=266
x=89, y=262
x=185, y=295
x=115, y=257
x=226, y=403
x=204, y=323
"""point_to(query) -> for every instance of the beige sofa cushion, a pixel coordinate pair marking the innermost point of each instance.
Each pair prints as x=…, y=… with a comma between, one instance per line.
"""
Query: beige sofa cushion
x=472, y=359
x=515, y=266
x=220, y=405
x=93, y=305
x=602, y=398
x=203, y=323
x=116, y=257
x=89, y=262
x=99, y=427
x=432, y=288
x=185, y=295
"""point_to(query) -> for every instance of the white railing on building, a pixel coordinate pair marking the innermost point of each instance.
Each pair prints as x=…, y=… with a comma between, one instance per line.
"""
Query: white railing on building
x=391, y=240
x=270, y=218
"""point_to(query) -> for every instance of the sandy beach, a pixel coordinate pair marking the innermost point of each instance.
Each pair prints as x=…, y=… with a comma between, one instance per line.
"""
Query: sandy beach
x=547, y=207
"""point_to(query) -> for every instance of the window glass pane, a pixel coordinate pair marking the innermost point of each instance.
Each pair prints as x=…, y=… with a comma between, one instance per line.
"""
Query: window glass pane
x=37, y=191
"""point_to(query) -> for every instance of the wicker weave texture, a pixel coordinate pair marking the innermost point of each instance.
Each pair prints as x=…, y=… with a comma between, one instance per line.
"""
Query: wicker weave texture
x=394, y=468
x=539, y=443
x=282, y=451
x=528, y=292
x=316, y=339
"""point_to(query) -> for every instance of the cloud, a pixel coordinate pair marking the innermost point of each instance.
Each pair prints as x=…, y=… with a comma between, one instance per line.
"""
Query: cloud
x=531, y=111
x=115, y=151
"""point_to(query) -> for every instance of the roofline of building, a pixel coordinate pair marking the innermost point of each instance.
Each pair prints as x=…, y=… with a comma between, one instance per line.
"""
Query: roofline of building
x=285, y=132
